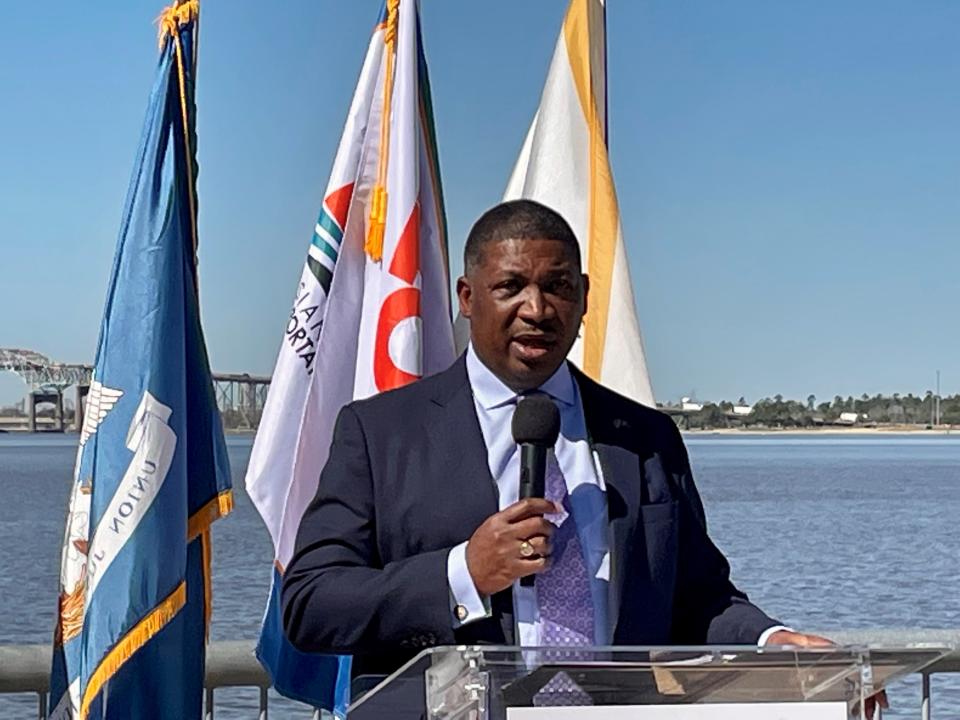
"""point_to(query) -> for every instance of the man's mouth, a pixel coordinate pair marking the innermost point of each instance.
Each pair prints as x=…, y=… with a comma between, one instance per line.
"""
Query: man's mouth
x=533, y=347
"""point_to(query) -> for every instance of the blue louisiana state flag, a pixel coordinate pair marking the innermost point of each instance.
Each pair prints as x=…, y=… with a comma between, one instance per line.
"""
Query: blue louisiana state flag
x=371, y=312
x=152, y=471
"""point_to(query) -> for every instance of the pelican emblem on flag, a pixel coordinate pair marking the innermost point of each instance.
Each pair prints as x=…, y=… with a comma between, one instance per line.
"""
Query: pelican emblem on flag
x=73, y=578
x=100, y=401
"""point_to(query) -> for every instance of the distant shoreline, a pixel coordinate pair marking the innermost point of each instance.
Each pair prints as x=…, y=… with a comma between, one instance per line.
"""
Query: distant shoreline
x=829, y=430
x=819, y=430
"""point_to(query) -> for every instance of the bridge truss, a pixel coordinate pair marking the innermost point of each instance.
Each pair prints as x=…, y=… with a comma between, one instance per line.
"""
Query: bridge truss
x=240, y=396
x=42, y=373
x=241, y=399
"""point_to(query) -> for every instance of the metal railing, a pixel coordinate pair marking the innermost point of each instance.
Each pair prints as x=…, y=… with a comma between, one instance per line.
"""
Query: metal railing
x=25, y=669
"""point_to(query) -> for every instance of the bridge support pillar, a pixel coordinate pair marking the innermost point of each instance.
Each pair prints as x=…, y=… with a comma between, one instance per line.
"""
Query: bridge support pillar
x=250, y=390
x=31, y=412
x=79, y=406
x=55, y=398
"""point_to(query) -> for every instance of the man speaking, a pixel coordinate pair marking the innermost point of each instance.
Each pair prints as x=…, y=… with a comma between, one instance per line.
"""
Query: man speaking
x=416, y=536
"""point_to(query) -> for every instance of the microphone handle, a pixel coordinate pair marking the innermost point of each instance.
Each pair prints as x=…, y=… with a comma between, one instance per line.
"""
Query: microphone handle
x=533, y=468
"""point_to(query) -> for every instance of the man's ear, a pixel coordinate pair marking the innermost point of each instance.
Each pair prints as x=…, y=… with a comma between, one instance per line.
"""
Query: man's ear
x=586, y=291
x=464, y=295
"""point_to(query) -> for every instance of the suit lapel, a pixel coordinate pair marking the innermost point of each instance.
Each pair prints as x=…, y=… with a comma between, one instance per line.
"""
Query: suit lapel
x=456, y=440
x=621, y=474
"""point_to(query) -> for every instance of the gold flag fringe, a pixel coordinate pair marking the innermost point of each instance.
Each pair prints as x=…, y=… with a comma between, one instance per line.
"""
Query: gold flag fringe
x=217, y=508
x=131, y=642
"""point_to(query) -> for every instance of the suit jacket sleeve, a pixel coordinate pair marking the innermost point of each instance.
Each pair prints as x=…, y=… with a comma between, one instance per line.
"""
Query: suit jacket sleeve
x=707, y=606
x=338, y=596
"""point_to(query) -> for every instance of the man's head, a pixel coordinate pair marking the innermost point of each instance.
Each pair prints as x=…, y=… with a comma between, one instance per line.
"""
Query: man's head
x=523, y=291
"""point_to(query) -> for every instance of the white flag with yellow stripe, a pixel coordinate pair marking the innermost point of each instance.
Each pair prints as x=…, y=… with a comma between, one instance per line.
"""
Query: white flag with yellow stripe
x=564, y=164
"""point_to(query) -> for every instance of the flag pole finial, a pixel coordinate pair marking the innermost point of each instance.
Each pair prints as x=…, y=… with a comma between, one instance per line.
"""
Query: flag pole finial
x=177, y=14
x=378, y=198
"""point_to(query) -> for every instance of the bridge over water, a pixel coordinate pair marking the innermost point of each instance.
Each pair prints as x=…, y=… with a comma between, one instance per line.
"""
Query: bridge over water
x=240, y=396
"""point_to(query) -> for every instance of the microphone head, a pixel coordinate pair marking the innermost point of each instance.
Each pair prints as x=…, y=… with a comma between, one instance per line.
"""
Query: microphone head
x=536, y=421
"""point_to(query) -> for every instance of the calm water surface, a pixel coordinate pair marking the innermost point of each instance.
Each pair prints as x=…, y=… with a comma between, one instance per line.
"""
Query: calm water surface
x=822, y=531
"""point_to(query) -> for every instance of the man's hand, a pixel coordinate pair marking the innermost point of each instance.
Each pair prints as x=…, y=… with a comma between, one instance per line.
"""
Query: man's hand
x=788, y=637
x=494, y=556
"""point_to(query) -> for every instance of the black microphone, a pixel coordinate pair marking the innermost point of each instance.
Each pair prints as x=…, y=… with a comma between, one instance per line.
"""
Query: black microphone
x=536, y=426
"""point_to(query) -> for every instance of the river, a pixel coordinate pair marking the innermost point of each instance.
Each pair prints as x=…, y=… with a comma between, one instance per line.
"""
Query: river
x=823, y=531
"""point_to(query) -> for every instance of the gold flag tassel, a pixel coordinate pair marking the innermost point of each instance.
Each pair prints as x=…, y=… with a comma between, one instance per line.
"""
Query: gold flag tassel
x=378, y=197
x=174, y=17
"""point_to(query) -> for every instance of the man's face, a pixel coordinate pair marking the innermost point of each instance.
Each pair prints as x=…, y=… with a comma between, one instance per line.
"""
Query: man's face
x=525, y=300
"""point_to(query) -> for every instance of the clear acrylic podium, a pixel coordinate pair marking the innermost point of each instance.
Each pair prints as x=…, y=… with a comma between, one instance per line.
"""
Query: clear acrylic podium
x=508, y=683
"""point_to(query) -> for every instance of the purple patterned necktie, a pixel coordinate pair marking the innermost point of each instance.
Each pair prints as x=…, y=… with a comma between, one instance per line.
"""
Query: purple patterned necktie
x=563, y=595
x=563, y=591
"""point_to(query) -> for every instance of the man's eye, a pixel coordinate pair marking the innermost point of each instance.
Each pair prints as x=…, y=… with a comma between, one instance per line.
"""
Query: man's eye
x=509, y=286
x=558, y=286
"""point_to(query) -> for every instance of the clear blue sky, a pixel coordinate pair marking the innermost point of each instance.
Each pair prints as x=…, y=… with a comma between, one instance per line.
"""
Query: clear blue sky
x=789, y=172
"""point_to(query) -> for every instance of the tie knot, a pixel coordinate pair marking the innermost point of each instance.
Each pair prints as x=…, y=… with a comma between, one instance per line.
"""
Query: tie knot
x=531, y=394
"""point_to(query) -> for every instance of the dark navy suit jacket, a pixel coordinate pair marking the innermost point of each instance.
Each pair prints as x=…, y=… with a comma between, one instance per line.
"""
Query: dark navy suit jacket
x=407, y=479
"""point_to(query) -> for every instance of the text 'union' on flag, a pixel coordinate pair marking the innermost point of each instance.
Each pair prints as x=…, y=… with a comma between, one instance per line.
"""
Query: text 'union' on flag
x=152, y=472
x=371, y=312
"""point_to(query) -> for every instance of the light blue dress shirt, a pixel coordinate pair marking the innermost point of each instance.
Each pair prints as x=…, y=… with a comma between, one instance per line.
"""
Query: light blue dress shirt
x=495, y=403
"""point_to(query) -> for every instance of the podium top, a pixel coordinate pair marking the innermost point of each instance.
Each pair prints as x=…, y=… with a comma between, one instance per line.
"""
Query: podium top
x=454, y=679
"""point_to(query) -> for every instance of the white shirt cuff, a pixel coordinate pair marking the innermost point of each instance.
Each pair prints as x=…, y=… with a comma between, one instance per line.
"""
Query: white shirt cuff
x=465, y=602
x=765, y=635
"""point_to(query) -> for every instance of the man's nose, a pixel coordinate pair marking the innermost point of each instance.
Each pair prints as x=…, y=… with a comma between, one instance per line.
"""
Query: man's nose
x=535, y=307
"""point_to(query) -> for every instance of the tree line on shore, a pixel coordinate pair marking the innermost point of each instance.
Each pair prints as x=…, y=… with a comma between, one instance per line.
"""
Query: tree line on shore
x=777, y=411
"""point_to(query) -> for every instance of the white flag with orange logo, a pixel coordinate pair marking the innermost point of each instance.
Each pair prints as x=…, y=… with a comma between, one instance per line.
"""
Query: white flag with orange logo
x=564, y=164
x=371, y=313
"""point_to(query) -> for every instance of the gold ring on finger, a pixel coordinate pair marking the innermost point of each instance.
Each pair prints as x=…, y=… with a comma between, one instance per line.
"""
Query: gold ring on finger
x=526, y=549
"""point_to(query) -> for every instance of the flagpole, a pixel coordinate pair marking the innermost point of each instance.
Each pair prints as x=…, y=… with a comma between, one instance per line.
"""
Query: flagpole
x=606, y=81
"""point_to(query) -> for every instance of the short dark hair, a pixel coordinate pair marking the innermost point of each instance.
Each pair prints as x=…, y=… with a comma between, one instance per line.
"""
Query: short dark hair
x=517, y=220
